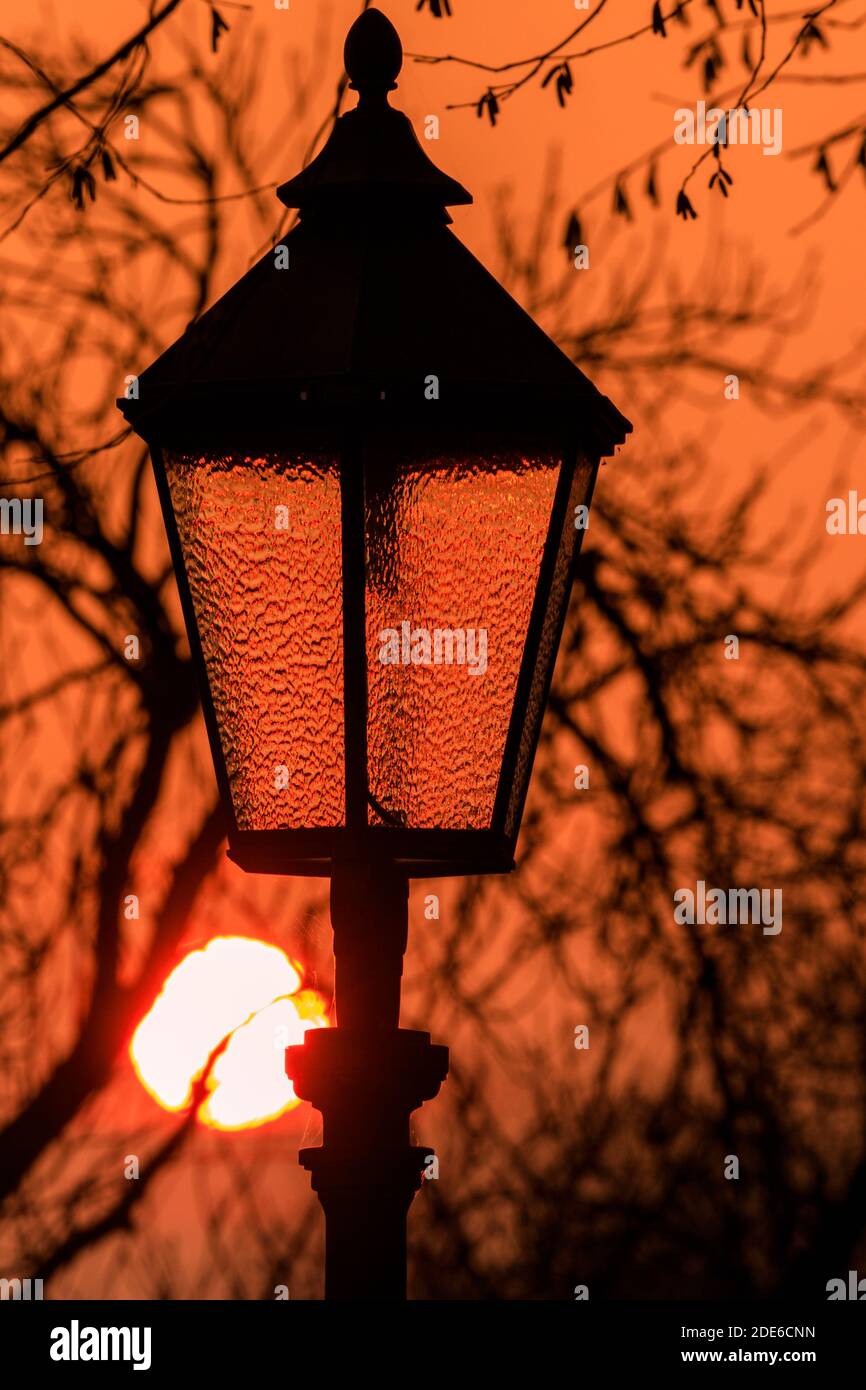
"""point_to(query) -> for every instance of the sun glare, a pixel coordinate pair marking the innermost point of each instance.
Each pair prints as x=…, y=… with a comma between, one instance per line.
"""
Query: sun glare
x=246, y=995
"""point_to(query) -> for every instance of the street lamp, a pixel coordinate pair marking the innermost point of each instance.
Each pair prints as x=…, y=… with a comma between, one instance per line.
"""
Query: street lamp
x=374, y=470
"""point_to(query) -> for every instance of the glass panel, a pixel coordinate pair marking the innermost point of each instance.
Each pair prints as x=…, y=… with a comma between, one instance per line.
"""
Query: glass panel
x=569, y=541
x=261, y=542
x=453, y=554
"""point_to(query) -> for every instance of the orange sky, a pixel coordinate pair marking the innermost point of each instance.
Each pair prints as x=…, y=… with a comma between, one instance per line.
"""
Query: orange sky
x=623, y=105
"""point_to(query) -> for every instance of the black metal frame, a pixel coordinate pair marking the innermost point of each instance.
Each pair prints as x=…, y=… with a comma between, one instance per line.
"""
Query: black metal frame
x=517, y=731
x=415, y=852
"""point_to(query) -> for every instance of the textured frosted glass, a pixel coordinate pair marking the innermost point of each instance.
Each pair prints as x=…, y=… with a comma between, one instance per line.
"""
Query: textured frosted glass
x=261, y=541
x=453, y=547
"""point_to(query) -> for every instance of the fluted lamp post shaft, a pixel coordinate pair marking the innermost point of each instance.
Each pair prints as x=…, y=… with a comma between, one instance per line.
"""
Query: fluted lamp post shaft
x=366, y=1076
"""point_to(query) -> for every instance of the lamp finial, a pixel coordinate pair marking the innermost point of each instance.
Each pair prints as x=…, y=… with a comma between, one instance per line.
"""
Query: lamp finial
x=373, y=55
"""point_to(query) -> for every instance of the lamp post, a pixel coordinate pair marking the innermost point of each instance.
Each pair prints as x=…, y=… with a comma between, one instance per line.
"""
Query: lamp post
x=371, y=464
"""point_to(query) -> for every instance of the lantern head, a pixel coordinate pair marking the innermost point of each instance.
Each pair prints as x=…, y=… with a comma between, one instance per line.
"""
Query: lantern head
x=373, y=466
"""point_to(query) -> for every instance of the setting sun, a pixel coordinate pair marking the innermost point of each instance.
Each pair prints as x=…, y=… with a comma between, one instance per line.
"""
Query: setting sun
x=239, y=995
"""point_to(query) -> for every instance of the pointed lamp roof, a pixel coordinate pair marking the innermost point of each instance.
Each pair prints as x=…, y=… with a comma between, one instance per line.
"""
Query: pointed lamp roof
x=377, y=296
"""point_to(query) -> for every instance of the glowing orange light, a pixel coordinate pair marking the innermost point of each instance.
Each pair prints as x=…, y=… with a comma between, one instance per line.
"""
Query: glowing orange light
x=241, y=1000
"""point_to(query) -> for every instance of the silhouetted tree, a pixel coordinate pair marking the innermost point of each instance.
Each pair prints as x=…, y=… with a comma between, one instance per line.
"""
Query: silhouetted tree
x=559, y=1166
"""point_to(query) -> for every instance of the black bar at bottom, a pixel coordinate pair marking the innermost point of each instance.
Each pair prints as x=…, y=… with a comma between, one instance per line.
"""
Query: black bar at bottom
x=243, y=1340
